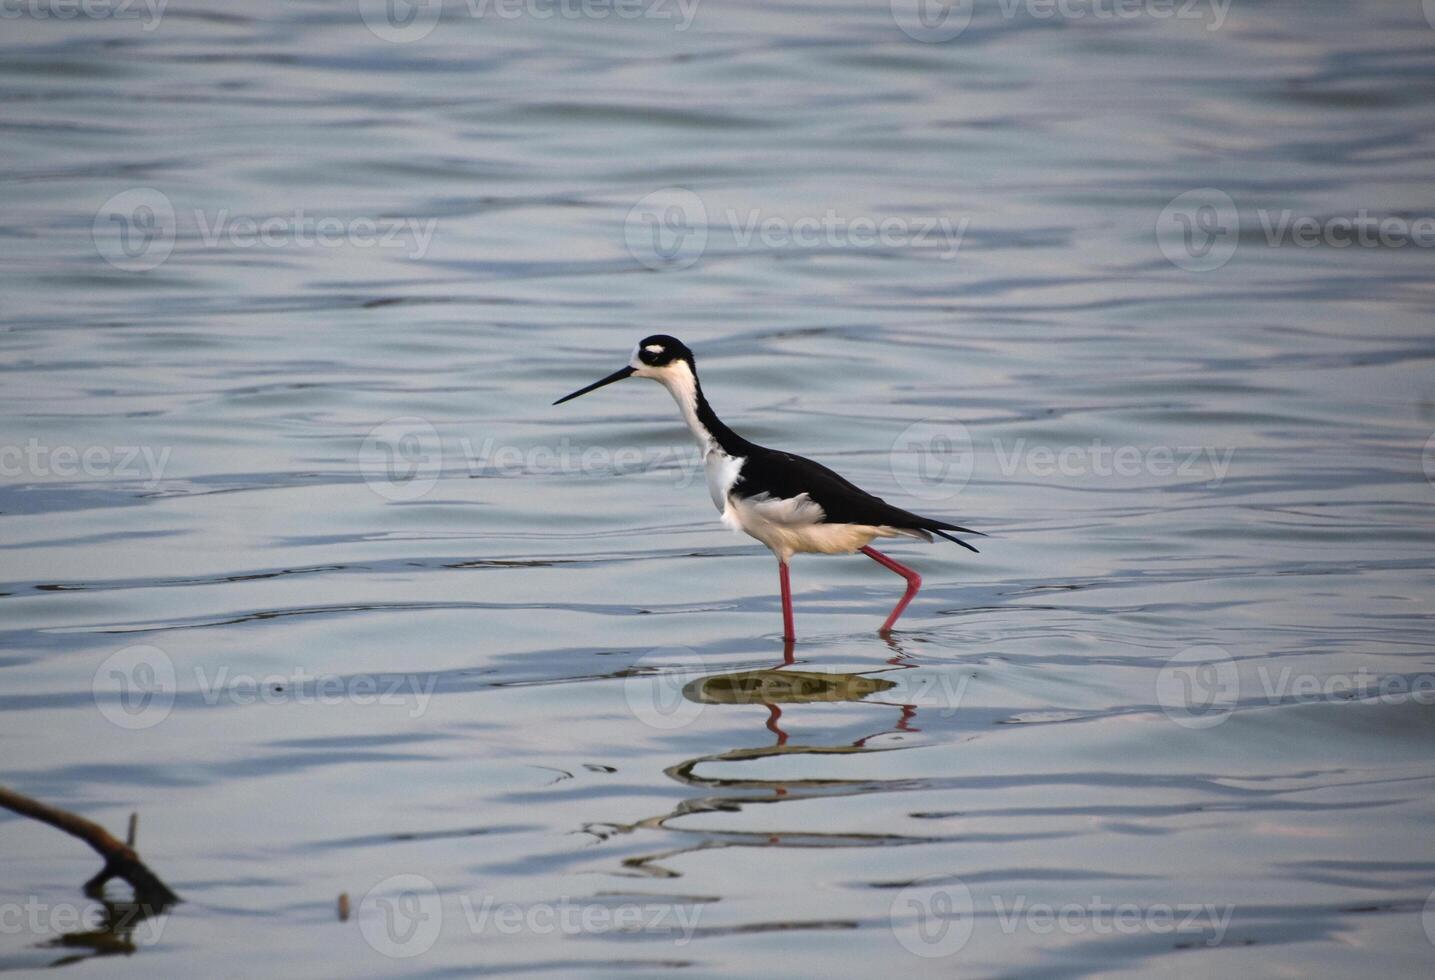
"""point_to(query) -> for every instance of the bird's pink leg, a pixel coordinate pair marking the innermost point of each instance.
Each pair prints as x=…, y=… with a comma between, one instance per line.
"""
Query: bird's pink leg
x=914, y=582
x=788, y=633
x=774, y=716
x=787, y=645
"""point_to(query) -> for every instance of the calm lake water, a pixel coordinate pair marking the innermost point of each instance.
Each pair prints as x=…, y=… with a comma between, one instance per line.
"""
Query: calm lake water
x=297, y=561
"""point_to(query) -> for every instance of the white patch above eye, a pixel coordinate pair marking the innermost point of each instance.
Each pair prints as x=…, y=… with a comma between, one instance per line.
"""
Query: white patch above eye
x=654, y=348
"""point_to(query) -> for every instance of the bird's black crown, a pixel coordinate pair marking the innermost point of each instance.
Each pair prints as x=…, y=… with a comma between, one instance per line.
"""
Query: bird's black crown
x=660, y=350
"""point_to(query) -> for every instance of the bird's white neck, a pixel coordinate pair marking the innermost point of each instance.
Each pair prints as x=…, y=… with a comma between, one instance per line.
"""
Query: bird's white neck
x=682, y=384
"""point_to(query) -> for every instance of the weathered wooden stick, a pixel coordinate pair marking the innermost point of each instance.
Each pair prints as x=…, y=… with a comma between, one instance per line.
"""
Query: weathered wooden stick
x=121, y=861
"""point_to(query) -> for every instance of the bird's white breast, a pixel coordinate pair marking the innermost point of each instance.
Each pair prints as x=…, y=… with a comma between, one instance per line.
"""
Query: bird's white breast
x=796, y=525
x=722, y=472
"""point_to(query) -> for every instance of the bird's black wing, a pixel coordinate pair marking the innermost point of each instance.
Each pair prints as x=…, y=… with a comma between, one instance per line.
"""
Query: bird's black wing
x=843, y=502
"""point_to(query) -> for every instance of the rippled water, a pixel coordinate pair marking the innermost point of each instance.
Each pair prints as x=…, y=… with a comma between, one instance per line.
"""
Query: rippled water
x=402, y=631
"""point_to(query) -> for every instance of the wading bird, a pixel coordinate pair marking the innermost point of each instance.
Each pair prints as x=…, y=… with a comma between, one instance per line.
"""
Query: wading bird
x=791, y=504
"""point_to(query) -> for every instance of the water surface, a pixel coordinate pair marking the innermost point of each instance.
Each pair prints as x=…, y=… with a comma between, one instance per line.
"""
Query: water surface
x=476, y=661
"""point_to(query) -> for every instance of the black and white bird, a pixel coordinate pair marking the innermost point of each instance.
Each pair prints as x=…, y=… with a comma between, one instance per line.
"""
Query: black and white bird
x=791, y=504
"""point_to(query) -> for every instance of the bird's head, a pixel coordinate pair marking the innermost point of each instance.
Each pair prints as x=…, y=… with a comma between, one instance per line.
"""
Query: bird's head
x=660, y=355
x=664, y=359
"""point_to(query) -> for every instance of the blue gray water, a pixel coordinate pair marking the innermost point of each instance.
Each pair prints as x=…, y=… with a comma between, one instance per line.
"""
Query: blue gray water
x=297, y=561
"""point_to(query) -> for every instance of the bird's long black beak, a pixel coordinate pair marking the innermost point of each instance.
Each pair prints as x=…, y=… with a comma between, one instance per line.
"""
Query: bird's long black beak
x=615, y=376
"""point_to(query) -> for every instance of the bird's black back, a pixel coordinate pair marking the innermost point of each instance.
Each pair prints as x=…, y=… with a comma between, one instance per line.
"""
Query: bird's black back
x=787, y=475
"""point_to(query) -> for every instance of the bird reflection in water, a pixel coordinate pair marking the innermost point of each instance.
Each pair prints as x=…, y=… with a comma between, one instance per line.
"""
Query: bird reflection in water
x=777, y=686
x=777, y=689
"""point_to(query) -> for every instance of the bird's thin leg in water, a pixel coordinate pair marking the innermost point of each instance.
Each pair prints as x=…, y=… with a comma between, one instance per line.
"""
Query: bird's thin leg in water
x=774, y=719
x=914, y=582
x=788, y=633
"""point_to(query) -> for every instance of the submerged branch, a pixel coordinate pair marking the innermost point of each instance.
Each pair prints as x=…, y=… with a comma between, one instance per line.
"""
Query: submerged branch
x=121, y=860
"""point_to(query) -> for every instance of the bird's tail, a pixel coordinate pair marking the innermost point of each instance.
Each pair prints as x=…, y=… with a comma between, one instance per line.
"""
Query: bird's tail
x=942, y=532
